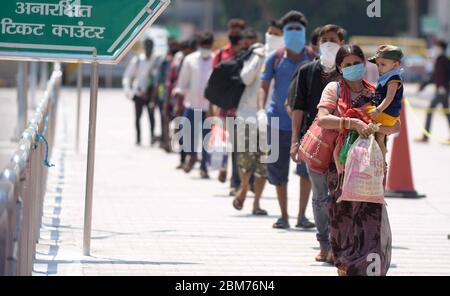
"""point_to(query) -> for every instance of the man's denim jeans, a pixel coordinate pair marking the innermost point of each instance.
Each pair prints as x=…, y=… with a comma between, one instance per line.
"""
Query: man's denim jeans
x=320, y=200
x=196, y=119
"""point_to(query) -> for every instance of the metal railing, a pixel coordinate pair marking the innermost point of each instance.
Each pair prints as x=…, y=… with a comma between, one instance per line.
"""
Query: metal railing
x=23, y=186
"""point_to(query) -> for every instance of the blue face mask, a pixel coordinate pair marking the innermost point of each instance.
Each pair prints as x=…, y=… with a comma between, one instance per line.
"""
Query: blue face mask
x=294, y=40
x=354, y=73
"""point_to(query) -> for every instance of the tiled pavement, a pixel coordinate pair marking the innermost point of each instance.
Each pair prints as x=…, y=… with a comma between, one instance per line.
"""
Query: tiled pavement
x=149, y=219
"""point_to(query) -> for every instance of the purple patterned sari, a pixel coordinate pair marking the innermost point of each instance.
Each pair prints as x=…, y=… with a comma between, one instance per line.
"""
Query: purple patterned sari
x=360, y=234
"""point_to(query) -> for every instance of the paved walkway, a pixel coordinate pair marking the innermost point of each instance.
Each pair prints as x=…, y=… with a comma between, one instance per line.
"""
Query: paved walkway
x=150, y=219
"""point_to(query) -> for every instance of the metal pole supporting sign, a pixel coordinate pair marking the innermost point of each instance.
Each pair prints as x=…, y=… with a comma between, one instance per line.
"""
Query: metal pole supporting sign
x=79, y=94
x=90, y=160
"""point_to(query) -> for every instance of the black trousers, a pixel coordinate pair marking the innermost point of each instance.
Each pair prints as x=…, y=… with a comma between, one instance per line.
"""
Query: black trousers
x=139, y=105
x=438, y=100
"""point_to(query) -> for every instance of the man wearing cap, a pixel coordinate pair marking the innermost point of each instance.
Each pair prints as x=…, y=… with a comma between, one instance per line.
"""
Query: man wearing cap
x=389, y=94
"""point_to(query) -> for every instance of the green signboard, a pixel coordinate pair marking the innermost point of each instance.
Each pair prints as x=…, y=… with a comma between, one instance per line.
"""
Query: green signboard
x=430, y=25
x=74, y=30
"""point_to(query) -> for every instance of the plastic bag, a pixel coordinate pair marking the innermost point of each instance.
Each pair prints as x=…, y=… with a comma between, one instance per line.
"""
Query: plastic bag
x=364, y=173
x=349, y=140
x=217, y=148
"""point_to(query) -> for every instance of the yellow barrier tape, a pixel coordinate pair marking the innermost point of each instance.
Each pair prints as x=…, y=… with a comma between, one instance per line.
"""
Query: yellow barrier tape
x=440, y=110
x=417, y=123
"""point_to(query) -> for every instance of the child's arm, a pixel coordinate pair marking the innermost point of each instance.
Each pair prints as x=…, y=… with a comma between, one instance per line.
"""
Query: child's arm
x=391, y=91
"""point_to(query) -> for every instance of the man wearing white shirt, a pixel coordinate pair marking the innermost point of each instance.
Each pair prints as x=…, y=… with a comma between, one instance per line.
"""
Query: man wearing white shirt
x=249, y=159
x=138, y=83
x=194, y=75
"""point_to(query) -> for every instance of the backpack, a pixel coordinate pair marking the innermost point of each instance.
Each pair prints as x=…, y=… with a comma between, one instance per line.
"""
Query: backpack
x=293, y=86
x=225, y=87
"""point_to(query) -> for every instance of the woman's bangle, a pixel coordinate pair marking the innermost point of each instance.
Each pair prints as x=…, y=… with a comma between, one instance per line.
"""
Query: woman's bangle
x=348, y=124
x=341, y=123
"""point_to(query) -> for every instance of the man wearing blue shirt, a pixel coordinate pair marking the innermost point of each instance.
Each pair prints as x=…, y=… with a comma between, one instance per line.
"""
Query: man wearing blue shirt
x=280, y=67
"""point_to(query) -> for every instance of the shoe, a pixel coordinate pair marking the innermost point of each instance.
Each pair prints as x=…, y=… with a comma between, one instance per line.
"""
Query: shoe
x=190, y=165
x=421, y=140
x=305, y=224
x=154, y=140
x=180, y=166
x=233, y=191
x=204, y=174
x=281, y=224
x=222, y=176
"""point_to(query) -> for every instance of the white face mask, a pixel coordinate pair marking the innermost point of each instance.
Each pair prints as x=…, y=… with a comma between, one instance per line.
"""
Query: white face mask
x=273, y=42
x=328, y=52
x=205, y=53
x=436, y=51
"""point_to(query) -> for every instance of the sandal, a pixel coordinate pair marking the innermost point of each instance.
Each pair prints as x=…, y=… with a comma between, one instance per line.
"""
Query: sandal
x=238, y=204
x=204, y=174
x=281, y=224
x=222, y=176
x=304, y=223
x=330, y=258
x=190, y=165
x=341, y=271
x=233, y=191
x=325, y=256
x=259, y=212
x=322, y=256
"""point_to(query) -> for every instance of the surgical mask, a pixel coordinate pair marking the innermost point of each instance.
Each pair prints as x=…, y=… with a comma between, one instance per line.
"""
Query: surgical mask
x=328, y=52
x=354, y=73
x=234, y=39
x=273, y=42
x=205, y=53
x=436, y=51
x=294, y=40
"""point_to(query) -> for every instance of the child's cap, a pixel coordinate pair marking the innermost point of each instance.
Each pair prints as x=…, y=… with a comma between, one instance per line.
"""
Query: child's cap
x=389, y=52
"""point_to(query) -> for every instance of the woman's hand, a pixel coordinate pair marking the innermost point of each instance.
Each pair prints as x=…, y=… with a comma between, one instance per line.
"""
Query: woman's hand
x=363, y=129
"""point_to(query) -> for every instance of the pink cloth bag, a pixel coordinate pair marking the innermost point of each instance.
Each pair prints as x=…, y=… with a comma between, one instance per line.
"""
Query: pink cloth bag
x=364, y=173
x=316, y=147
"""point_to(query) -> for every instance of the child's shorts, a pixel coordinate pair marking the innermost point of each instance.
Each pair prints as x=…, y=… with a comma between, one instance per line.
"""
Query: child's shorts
x=383, y=118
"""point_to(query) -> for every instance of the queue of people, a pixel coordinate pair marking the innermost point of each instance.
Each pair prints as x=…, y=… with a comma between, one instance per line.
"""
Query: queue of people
x=291, y=88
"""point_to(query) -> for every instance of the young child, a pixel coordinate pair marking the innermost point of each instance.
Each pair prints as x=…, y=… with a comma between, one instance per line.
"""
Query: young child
x=389, y=94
